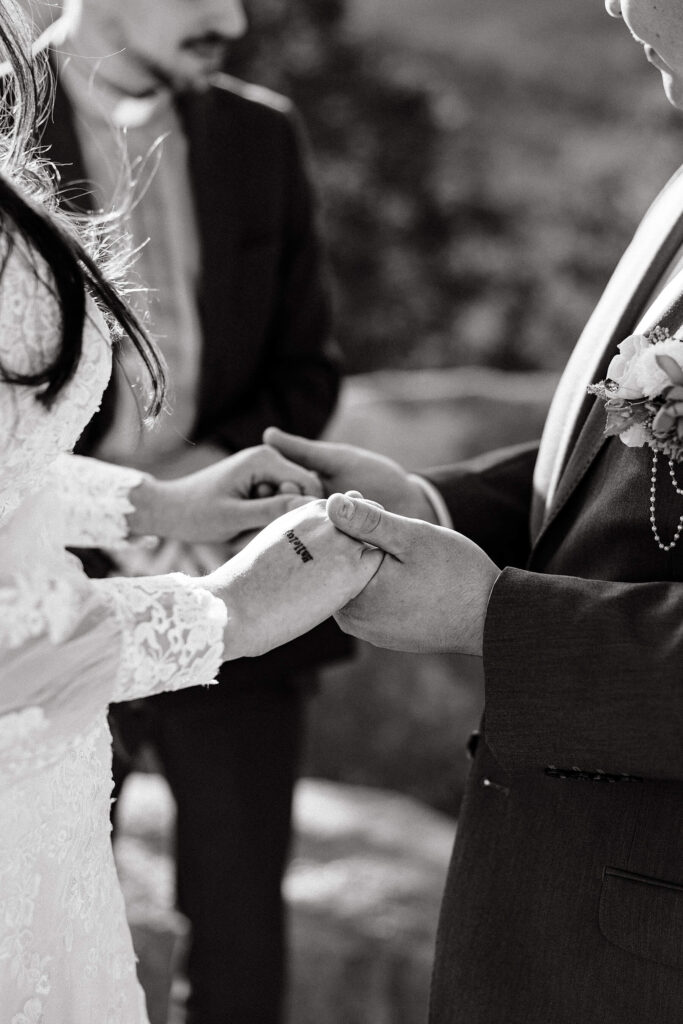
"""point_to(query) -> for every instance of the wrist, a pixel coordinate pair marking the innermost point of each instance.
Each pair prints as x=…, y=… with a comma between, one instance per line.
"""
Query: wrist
x=224, y=583
x=190, y=459
x=152, y=503
x=418, y=501
x=492, y=576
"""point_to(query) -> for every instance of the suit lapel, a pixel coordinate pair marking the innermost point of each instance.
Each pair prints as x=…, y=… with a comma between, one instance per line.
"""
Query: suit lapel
x=646, y=259
x=214, y=176
x=592, y=427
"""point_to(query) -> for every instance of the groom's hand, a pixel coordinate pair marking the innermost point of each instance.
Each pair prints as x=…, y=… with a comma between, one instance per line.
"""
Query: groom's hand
x=431, y=591
x=343, y=467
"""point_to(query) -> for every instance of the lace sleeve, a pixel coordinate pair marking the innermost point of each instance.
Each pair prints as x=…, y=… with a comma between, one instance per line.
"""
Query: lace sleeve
x=172, y=633
x=94, y=500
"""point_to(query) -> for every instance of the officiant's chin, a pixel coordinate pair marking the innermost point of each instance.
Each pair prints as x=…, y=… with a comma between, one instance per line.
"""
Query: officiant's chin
x=200, y=59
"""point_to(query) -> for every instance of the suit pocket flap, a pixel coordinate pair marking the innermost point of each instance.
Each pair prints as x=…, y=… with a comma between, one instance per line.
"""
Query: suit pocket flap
x=643, y=915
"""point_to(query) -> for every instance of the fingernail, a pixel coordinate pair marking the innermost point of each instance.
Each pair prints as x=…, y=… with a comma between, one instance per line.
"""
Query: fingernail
x=345, y=508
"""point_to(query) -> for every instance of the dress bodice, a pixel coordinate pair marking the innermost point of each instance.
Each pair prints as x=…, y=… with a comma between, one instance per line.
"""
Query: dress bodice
x=68, y=647
x=33, y=434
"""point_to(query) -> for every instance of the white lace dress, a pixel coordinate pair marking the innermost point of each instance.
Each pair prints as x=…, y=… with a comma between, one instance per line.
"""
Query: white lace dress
x=69, y=646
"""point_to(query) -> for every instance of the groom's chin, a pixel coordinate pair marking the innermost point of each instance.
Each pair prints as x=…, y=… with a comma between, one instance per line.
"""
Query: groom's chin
x=673, y=89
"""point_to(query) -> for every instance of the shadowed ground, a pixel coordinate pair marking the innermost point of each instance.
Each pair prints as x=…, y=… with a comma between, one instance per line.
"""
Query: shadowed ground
x=363, y=891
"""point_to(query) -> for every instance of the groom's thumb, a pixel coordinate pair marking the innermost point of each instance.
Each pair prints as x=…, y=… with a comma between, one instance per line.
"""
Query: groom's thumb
x=310, y=454
x=367, y=521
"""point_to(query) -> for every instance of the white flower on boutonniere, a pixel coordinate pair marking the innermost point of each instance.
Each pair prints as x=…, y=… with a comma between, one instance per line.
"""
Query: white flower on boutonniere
x=643, y=396
x=622, y=370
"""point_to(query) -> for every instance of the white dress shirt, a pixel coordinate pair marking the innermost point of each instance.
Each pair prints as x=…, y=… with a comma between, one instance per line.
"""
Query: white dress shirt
x=138, y=143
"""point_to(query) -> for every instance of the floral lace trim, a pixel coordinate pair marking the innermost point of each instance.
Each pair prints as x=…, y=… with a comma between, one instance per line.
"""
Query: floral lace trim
x=38, y=603
x=96, y=500
x=32, y=1013
x=60, y=896
x=172, y=633
x=19, y=727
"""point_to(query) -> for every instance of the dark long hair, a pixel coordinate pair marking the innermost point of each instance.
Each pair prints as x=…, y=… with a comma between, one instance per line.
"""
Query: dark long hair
x=28, y=207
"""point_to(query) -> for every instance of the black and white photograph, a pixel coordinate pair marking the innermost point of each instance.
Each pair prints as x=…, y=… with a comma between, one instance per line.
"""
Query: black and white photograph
x=341, y=512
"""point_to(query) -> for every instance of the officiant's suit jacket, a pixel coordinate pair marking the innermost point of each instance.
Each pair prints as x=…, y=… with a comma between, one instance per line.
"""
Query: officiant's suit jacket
x=230, y=752
x=266, y=355
x=564, y=902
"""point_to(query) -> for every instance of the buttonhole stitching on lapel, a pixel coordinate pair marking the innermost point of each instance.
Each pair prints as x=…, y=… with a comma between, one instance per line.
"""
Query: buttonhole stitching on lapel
x=490, y=784
x=575, y=774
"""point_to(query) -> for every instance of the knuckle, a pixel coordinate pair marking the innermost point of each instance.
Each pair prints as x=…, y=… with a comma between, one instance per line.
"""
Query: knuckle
x=316, y=507
x=371, y=517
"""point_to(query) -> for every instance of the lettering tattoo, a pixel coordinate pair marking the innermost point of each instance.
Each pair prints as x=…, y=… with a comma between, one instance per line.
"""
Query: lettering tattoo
x=299, y=546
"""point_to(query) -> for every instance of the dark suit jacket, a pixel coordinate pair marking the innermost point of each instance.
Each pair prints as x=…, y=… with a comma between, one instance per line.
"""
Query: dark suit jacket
x=267, y=356
x=564, y=903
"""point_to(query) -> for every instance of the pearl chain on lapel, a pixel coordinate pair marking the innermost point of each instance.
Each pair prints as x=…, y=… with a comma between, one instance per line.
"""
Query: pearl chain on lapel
x=653, y=499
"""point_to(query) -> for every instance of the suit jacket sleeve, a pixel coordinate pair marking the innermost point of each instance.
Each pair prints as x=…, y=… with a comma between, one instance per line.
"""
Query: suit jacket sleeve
x=585, y=673
x=489, y=498
x=299, y=383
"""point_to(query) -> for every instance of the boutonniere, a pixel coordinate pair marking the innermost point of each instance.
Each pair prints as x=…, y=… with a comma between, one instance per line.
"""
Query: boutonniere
x=643, y=396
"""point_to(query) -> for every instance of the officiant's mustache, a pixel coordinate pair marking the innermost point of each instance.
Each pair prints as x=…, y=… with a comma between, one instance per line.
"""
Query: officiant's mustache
x=207, y=44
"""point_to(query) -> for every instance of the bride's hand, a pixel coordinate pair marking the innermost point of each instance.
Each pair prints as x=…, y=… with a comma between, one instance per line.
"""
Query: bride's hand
x=242, y=492
x=296, y=573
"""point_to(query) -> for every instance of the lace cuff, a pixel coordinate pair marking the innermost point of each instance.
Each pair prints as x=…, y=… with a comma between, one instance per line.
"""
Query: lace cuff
x=172, y=633
x=95, y=500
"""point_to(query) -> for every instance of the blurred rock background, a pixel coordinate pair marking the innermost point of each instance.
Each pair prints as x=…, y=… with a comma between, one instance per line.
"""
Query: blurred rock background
x=481, y=167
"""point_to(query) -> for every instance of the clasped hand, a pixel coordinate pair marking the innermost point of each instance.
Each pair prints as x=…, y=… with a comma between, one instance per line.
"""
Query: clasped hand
x=292, y=576
x=431, y=590
x=236, y=495
x=397, y=582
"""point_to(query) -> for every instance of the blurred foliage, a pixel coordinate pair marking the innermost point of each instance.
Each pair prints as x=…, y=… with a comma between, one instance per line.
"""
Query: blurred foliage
x=474, y=204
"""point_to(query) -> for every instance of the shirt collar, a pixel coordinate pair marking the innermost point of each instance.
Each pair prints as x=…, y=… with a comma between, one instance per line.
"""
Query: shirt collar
x=91, y=94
